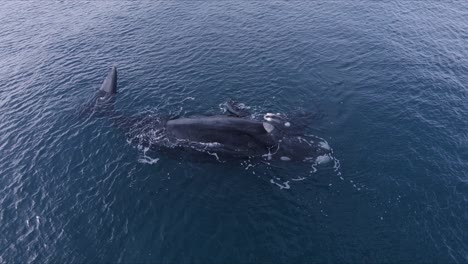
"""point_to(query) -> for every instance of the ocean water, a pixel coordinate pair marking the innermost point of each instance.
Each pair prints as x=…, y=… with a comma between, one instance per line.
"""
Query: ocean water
x=385, y=83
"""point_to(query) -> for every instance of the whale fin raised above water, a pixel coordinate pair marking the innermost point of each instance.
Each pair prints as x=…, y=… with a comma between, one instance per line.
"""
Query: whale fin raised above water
x=104, y=99
x=109, y=86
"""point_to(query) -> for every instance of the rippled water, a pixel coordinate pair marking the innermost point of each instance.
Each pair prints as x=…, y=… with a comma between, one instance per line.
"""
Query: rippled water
x=386, y=83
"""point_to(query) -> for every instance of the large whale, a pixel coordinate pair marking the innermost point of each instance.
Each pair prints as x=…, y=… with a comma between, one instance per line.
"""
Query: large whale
x=222, y=136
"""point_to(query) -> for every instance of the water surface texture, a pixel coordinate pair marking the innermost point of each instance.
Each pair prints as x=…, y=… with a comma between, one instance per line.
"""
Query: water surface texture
x=385, y=83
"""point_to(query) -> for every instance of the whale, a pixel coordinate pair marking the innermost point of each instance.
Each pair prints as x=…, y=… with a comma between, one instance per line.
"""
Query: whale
x=237, y=136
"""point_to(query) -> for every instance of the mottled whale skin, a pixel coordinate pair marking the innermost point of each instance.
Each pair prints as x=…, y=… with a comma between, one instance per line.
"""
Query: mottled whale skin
x=225, y=136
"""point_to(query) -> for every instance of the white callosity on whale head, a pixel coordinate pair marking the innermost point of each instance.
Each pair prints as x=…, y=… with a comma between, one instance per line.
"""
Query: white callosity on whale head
x=276, y=118
x=323, y=159
x=324, y=145
x=270, y=117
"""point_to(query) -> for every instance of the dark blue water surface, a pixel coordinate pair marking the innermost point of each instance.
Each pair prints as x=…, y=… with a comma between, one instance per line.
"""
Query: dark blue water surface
x=386, y=83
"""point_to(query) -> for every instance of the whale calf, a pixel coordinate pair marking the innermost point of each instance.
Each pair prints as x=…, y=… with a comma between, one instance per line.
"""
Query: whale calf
x=272, y=138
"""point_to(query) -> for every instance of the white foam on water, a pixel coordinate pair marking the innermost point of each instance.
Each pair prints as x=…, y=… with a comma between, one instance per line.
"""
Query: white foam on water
x=299, y=179
x=336, y=165
x=188, y=98
x=249, y=166
x=285, y=184
x=148, y=160
x=209, y=144
x=214, y=154
x=314, y=168
x=145, y=158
